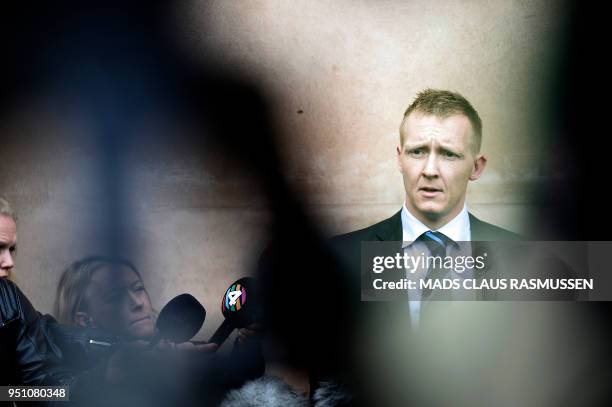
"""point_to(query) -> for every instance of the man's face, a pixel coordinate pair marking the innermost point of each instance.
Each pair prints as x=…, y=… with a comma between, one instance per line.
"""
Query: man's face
x=118, y=302
x=437, y=159
x=8, y=245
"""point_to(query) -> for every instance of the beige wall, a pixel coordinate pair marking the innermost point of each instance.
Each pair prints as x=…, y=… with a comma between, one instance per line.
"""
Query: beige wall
x=351, y=68
x=192, y=223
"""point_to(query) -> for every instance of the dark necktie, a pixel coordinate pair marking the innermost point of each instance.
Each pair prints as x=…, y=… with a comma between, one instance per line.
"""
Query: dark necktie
x=436, y=243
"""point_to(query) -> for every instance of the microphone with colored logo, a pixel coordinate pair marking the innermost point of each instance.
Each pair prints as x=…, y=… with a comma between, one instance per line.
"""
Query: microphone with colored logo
x=240, y=306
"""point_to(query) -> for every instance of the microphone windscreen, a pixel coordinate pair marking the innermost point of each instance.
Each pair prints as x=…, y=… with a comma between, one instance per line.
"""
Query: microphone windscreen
x=181, y=318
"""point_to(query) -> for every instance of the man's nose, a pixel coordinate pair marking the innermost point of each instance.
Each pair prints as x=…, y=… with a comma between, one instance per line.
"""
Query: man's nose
x=431, y=166
x=6, y=263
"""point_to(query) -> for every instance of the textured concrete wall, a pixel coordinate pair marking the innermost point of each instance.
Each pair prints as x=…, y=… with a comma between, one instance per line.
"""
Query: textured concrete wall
x=339, y=76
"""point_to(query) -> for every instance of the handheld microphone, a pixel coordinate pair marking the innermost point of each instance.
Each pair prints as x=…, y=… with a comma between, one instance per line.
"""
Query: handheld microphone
x=82, y=347
x=240, y=306
x=180, y=319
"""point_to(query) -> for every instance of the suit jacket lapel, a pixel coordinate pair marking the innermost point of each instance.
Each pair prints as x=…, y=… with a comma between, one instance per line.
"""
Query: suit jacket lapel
x=479, y=247
x=476, y=228
x=391, y=229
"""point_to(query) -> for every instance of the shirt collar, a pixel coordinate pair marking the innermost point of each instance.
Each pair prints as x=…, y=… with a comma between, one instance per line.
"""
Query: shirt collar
x=458, y=229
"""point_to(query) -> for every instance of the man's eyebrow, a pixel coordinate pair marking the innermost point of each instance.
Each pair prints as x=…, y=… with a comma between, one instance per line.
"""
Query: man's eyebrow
x=449, y=148
x=416, y=145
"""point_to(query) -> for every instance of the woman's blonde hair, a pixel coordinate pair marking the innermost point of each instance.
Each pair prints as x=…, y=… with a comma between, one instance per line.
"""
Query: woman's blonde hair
x=70, y=296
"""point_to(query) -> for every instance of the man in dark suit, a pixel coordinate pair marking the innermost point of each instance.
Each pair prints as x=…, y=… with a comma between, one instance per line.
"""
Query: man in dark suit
x=438, y=155
x=458, y=345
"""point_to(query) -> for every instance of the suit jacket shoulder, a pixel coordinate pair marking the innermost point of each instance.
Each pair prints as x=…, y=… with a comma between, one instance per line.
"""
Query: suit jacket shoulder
x=388, y=229
x=347, y=247
x=483, y=231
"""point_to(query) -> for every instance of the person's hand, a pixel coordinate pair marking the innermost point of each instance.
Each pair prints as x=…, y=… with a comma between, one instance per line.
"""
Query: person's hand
x=250, y=333
x=197, y=347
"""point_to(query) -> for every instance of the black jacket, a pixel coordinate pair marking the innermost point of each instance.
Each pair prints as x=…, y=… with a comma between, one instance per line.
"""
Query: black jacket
x=28, y=354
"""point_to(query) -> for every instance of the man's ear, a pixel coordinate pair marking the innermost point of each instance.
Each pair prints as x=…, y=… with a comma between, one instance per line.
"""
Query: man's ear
x=83, y=319
x=479, y=165
x=398, y=151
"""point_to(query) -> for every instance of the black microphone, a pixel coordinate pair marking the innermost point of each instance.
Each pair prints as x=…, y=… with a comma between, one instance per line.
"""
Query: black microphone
x=240, y=306
x=180, y=319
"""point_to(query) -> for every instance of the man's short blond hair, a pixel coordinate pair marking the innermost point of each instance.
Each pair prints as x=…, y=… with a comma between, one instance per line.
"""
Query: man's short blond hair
x=443, y=104
x=6, y=209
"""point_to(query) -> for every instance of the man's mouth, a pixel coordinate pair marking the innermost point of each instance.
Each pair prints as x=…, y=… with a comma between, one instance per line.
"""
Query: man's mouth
x=430, y=192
